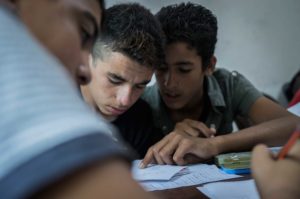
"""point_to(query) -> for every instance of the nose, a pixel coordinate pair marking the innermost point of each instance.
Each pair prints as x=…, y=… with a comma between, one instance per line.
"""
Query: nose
x=170, y=80
x=124, y=96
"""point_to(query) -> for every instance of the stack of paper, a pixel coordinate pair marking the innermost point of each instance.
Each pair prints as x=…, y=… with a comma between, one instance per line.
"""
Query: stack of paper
x=158, y=176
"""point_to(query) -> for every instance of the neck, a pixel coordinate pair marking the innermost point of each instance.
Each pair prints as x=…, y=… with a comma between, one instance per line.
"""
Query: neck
x=192, y=111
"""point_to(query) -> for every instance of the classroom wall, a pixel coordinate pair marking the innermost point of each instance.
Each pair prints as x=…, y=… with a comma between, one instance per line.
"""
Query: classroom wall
x=259, y=38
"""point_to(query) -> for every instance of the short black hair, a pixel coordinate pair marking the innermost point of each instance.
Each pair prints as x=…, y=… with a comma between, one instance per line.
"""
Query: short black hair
x=132, y=30
x=193, y=24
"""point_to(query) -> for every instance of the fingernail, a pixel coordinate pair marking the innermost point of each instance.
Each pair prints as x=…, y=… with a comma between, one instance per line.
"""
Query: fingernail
x=141, y=166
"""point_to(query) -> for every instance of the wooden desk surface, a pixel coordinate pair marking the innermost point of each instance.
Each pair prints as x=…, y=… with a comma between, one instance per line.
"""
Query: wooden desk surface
x=190, y=192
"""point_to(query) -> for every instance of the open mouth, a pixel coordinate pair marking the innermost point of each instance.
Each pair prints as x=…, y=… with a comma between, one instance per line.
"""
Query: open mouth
x=170, y=96
x=170, y=93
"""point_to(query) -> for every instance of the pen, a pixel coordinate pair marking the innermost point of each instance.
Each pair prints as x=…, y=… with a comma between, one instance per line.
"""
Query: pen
x=284, y=151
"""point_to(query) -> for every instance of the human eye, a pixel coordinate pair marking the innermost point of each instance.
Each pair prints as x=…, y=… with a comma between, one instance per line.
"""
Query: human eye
x=184, y=70
x=114, y=80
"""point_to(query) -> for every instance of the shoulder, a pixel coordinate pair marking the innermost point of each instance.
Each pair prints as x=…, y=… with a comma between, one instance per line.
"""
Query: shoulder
x=231, y=80
x=136, y=115
x=150, y=93
x=140, y=109
x=237, y=89
x=152, y=97
x=224, y=76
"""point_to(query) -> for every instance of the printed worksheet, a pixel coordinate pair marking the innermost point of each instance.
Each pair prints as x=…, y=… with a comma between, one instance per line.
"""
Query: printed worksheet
x=188, y=176
x=154, y=172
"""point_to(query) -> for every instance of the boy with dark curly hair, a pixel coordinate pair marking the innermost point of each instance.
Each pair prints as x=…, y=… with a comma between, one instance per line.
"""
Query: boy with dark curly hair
x=196, y=104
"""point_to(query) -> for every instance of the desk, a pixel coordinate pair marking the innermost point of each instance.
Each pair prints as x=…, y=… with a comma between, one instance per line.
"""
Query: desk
x=190, y=192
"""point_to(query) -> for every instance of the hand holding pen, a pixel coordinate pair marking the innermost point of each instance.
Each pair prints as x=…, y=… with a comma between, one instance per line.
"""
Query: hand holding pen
x=278, y=177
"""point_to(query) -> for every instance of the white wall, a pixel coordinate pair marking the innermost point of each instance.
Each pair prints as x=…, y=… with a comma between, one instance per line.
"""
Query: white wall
x=258, y=38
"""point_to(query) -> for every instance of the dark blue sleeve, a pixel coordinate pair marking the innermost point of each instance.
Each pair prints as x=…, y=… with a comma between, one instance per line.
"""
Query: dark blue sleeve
x=54, y=164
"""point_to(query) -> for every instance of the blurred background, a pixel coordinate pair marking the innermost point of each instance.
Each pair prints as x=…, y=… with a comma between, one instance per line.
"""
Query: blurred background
x=258, y=38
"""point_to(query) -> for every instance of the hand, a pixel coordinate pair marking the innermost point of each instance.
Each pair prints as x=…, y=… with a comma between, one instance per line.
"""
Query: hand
x=276, y=178
x=181, y=149
x=194, y=128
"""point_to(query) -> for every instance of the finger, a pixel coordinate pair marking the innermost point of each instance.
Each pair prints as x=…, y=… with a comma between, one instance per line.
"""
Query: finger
x=148, y=159
x=182, y=149
x=150, y=156
x=213, y=130
x=157, y=157
x=294, y=151
x=261, y=160
x=260, y=154
x=157, y=148
x=201, y=128
x=191, y=131
x=193, y=123
x=167, y=151
x=189, y=126
x=261, y=164
x=207, y=132
x=185, y=127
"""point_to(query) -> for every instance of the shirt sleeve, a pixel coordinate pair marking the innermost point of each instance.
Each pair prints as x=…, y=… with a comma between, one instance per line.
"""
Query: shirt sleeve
x=244, y=94
x=46, y=130
x=54, y=163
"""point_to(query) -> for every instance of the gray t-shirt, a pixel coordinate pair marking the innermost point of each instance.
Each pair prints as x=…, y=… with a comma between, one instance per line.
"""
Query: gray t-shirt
x=46, y=130
x=228, y=94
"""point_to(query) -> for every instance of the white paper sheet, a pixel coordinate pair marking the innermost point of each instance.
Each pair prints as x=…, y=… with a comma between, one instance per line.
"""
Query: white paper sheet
x=234, y=190
x=192, y=175
x=154, y=172
x=295, y=109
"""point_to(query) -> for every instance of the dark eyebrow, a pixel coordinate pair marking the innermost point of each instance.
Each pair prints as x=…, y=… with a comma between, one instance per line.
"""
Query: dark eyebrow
x=183, y=63
x=92, y=19
x=115, y=76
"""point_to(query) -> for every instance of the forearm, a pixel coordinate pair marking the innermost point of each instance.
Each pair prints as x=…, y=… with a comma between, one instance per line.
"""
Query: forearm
x=272, y=133
x=110, y=179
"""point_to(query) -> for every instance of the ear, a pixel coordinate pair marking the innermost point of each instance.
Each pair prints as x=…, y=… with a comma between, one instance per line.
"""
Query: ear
x=211, y=67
